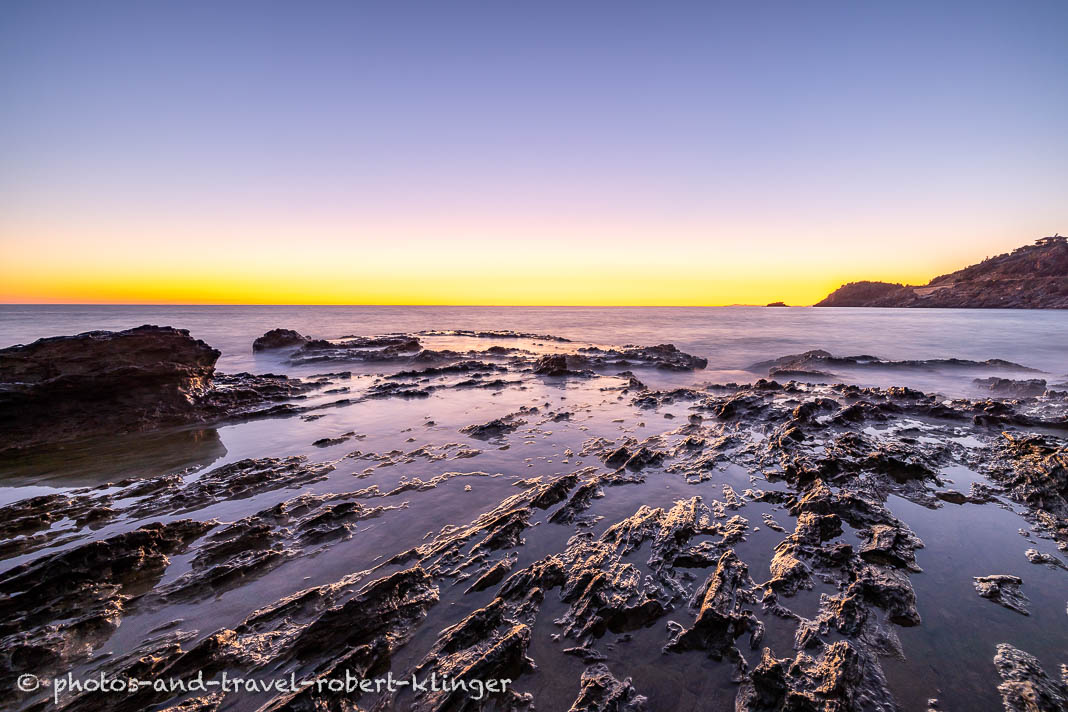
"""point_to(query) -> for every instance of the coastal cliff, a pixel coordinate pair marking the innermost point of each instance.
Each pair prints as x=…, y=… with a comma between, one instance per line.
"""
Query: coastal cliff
x=1030, y=277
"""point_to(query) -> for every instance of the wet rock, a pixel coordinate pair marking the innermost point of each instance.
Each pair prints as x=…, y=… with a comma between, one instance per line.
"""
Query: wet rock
x=494, y=575
x=1025, y=687
x=279, y=339
x=390, y=347
x=577, y=503
x=58, y=608
x=721, y=618
x=618, y=457
x=67, y=387
x=952, y=496
x=819, y=359
x=663, y=356
x=891, y=545
x=34, y=523
x=643, y=457
x=842, y=678
x=556, y=489
x=235, y=480
x=1007, y=387
x=1034, y=470
x=785, y=373
x=551, y=365
x=461, y=367
x=1003, y=590
x=1040, y=557
x=586, y=655
x=328, y=442
x=495, y=334
x=490, y=643
x=494, y=428
x=602, y=692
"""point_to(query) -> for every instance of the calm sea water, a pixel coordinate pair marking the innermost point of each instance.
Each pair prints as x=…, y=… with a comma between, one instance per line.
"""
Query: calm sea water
x=731, y=338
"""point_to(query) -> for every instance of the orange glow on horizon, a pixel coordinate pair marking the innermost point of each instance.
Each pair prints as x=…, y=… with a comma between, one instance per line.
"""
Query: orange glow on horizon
x=580, y=265
x=619, y=287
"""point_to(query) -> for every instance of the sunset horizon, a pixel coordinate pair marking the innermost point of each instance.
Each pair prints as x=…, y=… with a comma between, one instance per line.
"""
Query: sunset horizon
x=684, y=288
x=462, y=155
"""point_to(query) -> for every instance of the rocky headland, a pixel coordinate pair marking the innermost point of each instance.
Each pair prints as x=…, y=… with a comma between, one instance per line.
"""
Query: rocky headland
x=1030, y=277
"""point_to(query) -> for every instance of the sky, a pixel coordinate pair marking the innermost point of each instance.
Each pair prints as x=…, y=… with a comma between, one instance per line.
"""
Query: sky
x=454, y=152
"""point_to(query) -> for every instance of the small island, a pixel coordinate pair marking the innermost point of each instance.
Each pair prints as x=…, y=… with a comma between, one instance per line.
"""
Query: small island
x=777, y=304
x=1030, y=277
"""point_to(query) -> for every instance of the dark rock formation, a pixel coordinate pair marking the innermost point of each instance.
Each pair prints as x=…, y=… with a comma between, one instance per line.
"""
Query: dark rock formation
x=493, y=429
x=101, y=382
x=390, y=347
x=602, y=692
x=1004, y=590
x=66, y=387
x=817, y=360
x=841, y=679
x=551, y=365
x=1025, y=686
x=59, y=608
x=1012, y=389
x=721, y=618
x=1030, y=277
x=1034, y=470
x=279, y=339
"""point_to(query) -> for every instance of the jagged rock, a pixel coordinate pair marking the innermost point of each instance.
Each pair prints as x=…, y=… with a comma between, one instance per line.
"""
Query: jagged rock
x=1004, y=590
x=233, y=481
x=840, y=679
x=58, y=608
x=391, y=347
x=602, y=692
x=720, y=619
x=1025, y=687
x=818, y=359
x=891, y=545
x=1034, y=469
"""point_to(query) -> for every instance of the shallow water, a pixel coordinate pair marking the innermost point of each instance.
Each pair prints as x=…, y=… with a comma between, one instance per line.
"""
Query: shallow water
x=731, y=338
x=949, y=656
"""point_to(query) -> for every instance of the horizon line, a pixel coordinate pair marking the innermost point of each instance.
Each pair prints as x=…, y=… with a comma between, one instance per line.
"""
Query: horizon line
x=339, y=304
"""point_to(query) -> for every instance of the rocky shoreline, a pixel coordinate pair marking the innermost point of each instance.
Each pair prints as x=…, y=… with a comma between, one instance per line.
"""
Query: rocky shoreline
x=754, y=535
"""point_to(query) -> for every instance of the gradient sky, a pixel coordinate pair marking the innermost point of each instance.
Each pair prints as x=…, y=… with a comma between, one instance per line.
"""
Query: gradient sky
x=521, y=152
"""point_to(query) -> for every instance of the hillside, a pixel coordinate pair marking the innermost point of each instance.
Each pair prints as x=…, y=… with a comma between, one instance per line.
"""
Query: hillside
x=1030, y=277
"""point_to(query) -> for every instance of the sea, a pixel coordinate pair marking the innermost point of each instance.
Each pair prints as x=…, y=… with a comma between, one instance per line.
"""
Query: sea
x=731, y=338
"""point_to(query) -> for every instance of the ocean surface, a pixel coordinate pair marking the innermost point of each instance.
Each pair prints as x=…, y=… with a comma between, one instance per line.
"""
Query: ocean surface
x=731, y=338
